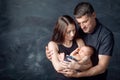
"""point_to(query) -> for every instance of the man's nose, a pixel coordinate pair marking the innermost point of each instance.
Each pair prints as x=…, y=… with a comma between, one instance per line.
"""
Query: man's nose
x=82, y=26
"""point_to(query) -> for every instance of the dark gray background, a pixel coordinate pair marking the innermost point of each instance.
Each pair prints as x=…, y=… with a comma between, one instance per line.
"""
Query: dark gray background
x=26, y=27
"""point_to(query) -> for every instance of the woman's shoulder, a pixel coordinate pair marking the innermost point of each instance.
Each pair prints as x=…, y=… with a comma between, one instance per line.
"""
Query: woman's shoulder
x=52, y=44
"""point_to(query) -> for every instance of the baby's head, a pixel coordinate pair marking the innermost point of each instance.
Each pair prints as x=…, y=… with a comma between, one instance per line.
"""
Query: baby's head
x=86, y=50
x=83, y=52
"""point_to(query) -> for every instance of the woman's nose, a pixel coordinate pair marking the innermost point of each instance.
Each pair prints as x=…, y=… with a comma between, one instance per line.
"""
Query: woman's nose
x=72, y=33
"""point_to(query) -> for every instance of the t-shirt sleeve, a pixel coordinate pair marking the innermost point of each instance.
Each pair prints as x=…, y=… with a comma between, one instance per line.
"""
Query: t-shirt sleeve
x=107, y=45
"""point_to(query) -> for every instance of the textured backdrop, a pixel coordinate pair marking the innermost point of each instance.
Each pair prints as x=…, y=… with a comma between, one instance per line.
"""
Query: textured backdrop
x=26, y=27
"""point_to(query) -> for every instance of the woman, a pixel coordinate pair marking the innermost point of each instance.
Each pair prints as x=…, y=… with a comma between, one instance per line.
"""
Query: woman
x=64, y=40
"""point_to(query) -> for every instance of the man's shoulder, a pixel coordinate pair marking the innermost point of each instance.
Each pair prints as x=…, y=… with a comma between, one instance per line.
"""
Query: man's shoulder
x=105, y=30
x=106, y=34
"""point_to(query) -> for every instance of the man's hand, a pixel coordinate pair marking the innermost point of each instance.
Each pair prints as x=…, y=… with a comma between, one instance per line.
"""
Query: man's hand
x=69, y=72
x=48, y=53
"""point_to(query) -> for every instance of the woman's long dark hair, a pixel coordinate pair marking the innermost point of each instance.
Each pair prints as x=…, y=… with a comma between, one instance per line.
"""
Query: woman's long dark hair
x=61, y=27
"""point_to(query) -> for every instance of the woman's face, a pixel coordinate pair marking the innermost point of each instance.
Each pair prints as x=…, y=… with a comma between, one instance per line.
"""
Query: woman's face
x=70, y=32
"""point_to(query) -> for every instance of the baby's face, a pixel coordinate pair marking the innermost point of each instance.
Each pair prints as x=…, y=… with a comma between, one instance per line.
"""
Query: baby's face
x=85, y=51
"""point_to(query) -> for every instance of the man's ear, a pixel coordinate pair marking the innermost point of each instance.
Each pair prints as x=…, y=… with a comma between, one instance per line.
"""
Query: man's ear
x=94, y=14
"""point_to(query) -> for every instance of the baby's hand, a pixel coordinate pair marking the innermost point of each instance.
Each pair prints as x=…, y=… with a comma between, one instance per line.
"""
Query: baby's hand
x=75, y=52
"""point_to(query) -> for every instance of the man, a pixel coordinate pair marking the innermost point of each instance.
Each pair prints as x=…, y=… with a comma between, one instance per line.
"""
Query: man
x=96, y=35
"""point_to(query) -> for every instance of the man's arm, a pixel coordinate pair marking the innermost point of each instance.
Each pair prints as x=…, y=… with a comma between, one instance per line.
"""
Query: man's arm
x=98, y=69
x=85, y=63
x=103, y=59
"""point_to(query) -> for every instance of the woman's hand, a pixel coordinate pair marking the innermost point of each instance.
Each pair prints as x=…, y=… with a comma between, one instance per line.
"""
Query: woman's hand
x=70, y=68
x=73, y=64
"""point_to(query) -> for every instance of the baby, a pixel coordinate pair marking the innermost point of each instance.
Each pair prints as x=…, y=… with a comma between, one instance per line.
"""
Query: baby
x=82, y=56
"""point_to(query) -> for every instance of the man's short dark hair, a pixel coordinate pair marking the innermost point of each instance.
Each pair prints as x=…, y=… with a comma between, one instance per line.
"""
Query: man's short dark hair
x=83, y=8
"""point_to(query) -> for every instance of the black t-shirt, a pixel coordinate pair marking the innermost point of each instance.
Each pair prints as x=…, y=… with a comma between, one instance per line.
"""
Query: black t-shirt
x=67, y=51
x=102, y=40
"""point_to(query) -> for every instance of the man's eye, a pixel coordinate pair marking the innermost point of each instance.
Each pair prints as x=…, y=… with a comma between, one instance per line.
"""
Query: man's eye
x=86, y=21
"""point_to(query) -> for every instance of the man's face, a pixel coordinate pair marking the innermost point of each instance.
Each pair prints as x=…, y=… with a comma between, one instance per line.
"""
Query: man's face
x=87, y=23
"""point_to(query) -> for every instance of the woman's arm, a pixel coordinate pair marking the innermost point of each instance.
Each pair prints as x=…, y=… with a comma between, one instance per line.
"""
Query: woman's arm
x=52, y=46
x=48, y=53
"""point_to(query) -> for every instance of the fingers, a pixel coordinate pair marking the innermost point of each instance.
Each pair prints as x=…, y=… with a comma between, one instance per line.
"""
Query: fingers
x=48, y=53
x=65, y=71
x=67, y=65
x=68, y=72
x=64, y=64
x=46, y=49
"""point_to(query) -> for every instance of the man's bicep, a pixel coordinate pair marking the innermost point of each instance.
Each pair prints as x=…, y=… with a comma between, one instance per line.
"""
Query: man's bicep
x=104, y=61
x=106, y=46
